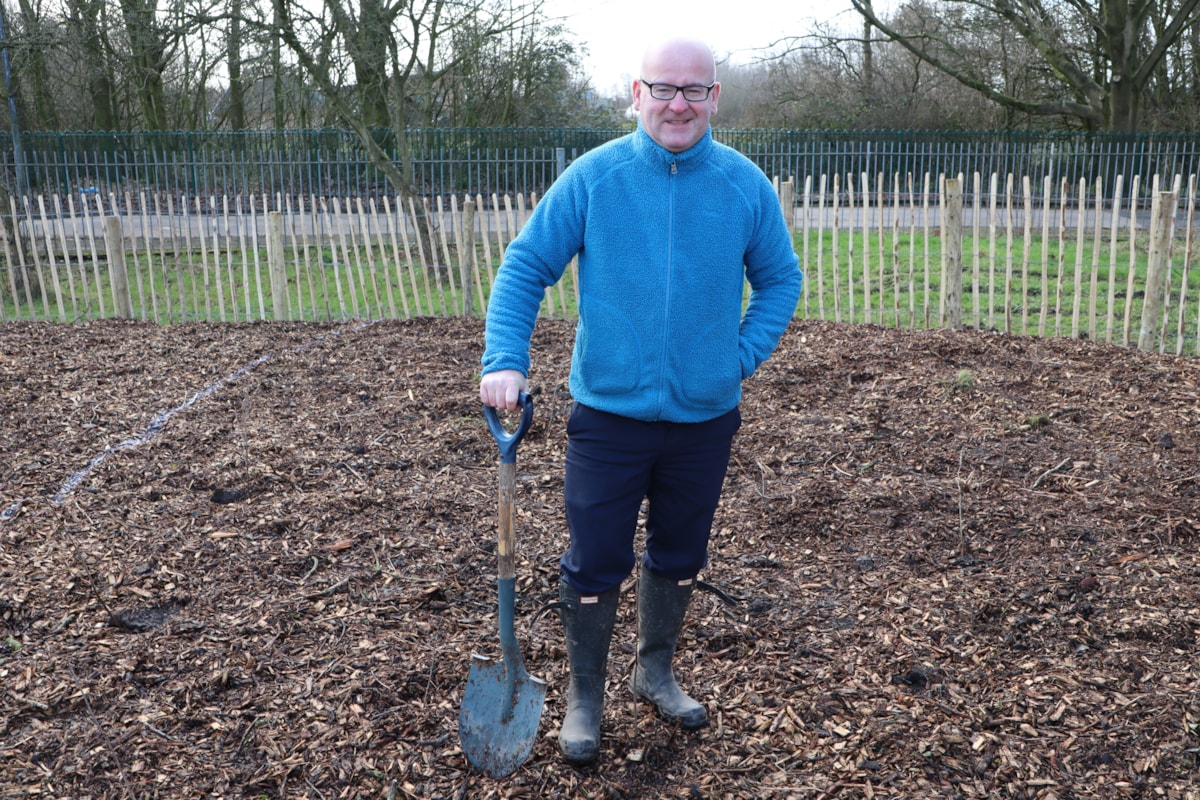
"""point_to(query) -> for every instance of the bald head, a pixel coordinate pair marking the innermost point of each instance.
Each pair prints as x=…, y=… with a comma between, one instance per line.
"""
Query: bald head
x=680, y=53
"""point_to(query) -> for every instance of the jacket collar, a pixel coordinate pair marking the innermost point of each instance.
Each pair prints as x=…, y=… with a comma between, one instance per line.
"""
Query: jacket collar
x=655, y=153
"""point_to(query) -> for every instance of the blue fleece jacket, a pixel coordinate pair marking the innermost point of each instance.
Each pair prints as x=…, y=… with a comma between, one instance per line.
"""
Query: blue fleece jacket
x=666, y=242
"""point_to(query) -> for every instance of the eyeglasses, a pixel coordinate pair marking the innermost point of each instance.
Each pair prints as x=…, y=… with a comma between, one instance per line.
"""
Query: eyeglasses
x=667, y=91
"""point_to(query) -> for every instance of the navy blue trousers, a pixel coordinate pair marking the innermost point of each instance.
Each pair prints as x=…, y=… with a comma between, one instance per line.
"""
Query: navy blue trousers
x=612, y=464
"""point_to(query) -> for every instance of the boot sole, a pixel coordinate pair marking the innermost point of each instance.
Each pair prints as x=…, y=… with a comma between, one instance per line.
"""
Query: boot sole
x=578, y=759
x=686, y=722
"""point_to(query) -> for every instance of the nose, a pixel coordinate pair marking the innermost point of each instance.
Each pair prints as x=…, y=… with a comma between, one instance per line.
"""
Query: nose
x=678, y=103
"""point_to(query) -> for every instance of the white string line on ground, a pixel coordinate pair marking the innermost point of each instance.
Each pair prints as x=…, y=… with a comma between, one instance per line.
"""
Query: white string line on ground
x=162, y=417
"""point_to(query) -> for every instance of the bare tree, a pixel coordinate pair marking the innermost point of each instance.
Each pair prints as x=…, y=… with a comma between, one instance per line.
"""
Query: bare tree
x=376, y=66
x=396, y=52
x=86, y=19
x=39, y=31
x=1173, y=99
x=93, y=64
x=289, y=26
x=367, y=36
x=836, y=79
x=150, y=44
x=1101, y=53
x=528, y=76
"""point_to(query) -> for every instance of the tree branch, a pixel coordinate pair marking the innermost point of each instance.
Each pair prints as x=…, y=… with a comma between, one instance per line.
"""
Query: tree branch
x=1186, y=15
x=1080, y=110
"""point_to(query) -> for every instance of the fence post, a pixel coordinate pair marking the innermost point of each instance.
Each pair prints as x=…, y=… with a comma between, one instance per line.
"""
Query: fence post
x=466, y=258
x=952, y=236
x=1162, y=228
x=114, y=246
x=786, y=192
x=277, y=266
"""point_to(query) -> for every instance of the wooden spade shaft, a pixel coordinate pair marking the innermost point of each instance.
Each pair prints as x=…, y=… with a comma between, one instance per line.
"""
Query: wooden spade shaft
x=506, y=543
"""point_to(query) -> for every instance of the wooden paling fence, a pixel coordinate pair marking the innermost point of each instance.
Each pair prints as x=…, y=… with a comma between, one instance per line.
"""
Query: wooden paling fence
x=1117, y=266
x=1114, y=264
x=252, y=258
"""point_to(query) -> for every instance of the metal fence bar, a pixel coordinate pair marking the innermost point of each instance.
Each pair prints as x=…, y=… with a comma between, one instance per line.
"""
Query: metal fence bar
x=487, y=161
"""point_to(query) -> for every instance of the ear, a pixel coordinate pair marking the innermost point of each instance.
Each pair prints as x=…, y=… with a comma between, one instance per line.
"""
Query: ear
x=712, y=97
x=637, y=94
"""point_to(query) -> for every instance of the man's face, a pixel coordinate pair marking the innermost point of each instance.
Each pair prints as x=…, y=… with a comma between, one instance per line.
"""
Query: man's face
x=676, y=124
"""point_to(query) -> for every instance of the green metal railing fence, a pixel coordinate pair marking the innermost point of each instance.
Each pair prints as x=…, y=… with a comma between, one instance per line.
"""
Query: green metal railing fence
x=523, y=161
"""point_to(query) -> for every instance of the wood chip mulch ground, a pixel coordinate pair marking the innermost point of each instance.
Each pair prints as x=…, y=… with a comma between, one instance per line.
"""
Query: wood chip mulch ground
x=253, y=560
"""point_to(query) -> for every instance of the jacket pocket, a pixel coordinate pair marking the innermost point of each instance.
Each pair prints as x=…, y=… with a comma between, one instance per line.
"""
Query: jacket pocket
x=608, y=358
x=711, y=373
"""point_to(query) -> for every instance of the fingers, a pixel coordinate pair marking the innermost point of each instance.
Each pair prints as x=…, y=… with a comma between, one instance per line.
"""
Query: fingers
x=501, y=389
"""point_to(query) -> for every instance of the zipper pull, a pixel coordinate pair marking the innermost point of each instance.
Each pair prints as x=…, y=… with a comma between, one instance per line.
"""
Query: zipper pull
x=674, y=167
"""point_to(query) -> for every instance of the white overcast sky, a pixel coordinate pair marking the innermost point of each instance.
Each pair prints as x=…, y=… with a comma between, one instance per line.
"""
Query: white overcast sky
x=616, y=31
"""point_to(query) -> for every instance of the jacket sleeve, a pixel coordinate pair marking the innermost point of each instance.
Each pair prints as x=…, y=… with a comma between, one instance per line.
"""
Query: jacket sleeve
x=773, y=271
x=533, y=261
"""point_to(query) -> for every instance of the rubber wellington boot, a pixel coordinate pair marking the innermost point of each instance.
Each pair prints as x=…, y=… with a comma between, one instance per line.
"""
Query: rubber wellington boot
x=588, y=623
x=662, y=603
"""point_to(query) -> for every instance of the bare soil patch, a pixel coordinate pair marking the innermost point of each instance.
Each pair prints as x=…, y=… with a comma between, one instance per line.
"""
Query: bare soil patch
x=253, y=560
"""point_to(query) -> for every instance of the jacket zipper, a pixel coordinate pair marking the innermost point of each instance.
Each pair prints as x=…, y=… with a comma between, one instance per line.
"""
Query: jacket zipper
x=665, y=350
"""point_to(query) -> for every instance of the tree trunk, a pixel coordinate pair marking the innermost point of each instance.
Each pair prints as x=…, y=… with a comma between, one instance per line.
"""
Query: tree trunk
x=85, y=19
x=278, y=97
x=37, y=77
x=1120, y=34
x=369, y=50
x=236, y=113
x=1195, y=48
x=149, y=60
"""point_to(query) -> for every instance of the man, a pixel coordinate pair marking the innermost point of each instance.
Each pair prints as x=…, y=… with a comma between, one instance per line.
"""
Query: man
x=668, y=225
